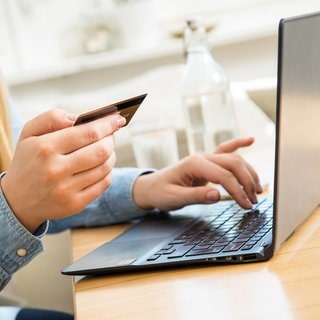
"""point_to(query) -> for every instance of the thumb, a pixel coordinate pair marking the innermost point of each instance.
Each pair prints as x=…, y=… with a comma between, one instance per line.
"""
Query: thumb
x=201, y=195
x=50, y=121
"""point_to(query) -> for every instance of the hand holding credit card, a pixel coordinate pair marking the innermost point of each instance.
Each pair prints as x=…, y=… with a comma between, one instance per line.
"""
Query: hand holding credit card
x=126, y=108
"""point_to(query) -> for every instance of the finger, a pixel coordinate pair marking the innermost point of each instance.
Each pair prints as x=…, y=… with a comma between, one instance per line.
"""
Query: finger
x=86, y=186
x=46, y=122
x=74, y=138
x=92, y=176
x=89, y=156
x=188, y=196
x=210, y=171
x=235, y=189
x=234, y=144
x=81, y=198
x=205, y=195
x=252, y=173
x=243, y=172
x=94, y=190
x=255, y=177
x=210, y=194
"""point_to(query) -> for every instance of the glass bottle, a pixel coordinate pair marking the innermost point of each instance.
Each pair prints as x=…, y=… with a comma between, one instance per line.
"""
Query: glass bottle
x=207, y=102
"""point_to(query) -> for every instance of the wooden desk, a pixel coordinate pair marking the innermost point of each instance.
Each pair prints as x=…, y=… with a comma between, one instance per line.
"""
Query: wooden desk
x=286, y=287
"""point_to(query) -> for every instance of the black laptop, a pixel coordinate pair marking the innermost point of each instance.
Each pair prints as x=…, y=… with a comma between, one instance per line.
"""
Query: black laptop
x=224, y=232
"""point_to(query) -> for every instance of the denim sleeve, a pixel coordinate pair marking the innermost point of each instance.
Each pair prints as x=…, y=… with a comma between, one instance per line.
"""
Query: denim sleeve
x=17, y=245
x=115, y=205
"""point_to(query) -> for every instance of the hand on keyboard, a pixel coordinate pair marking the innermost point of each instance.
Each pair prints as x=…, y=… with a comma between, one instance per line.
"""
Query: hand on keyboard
x=190, y=180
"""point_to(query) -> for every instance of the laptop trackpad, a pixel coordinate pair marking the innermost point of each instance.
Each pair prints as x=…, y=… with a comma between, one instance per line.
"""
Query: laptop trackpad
x=128, y=247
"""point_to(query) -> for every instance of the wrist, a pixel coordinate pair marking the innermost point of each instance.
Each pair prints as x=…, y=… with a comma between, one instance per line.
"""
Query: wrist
x=30, y=222
x=140, y=191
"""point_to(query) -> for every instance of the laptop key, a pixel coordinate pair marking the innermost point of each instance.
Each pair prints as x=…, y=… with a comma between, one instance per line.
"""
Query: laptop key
x=180, y=252
x=247, y=247
x=233, y=247
x=154, y=257
x=201, y=252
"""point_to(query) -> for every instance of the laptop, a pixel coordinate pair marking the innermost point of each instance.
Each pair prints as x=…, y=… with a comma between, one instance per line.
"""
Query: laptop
x=224, y=232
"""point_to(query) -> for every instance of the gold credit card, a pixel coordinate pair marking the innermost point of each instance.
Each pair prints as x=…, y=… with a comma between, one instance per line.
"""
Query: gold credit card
x=126, y=108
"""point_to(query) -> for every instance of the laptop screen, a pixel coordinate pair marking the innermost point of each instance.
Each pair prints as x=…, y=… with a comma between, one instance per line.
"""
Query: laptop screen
x=297, y=185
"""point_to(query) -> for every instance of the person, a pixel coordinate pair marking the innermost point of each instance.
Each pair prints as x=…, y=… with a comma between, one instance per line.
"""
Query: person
x=61, y=176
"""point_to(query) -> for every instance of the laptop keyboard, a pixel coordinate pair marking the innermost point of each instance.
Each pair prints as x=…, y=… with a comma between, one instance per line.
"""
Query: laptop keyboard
x=228, y=228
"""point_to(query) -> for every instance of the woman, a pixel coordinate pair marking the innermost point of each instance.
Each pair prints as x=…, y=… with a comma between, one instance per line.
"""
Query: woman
x=62, y=176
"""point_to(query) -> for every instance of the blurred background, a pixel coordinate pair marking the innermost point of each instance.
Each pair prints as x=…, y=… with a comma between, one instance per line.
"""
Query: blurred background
x=75, y=53
x=52, y=49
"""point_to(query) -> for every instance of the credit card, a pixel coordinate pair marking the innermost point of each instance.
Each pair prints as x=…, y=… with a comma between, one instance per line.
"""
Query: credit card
x=126, y=108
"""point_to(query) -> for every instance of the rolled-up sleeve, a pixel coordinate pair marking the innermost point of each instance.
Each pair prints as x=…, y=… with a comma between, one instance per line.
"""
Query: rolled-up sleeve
x=17, y=245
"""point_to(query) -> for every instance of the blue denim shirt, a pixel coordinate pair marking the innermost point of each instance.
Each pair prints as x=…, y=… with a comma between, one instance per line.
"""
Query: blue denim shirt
x=18, y=246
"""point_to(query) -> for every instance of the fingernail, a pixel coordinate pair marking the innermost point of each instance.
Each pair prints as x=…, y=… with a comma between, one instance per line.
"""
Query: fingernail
x=260, y=189
x=213, y=195
x=71, y=117
x=248, y=204
x=121, y=121
x=254, y=199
